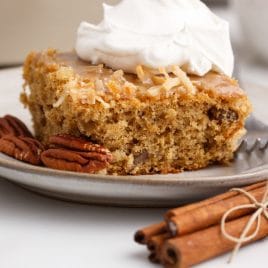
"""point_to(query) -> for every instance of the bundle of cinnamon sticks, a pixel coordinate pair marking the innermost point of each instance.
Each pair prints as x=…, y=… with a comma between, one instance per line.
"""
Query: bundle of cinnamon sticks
x=192, y=234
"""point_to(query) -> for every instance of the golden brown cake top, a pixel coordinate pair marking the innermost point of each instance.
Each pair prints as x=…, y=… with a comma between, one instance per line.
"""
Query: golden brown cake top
x=219, y=82
x=93, y=83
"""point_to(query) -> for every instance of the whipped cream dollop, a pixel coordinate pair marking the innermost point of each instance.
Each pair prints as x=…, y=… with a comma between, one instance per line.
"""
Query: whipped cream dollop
x=158, y=33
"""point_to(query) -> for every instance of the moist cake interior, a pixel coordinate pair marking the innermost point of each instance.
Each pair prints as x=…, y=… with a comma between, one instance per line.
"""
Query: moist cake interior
x=152, y=122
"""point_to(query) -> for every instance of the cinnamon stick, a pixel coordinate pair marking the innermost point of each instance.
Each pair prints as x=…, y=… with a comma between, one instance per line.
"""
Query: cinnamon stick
x=197, y=247
x=142, y=236
x=155, y=244
x=209, y=215
x=153, y=257
x=181, y=210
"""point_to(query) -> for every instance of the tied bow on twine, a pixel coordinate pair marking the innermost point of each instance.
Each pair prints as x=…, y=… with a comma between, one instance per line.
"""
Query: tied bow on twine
x=261, y=209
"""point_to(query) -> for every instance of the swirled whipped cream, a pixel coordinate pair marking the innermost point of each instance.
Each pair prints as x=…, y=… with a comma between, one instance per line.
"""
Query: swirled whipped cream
x=158, y=33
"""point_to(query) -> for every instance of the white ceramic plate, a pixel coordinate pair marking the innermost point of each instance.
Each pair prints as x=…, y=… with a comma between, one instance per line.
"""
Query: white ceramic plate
x=152, y=190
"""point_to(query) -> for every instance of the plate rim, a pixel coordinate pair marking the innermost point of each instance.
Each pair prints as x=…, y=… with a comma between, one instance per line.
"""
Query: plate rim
x=154, y=179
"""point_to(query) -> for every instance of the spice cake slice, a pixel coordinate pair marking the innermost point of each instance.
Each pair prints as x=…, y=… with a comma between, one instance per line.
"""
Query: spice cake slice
x=152, y=122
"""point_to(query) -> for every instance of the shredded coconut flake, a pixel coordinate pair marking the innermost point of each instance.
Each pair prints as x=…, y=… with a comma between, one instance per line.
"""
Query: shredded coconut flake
x=184, y=78
x=145, y=75
x=158, y=80
x=164, y=72
x=67, y=88
x=60, y=101
x=114, y=87
x=154, y=91
x=140, y=72
x=100, y=100
x=171, y=83
x=119, y=75
x=99, y=85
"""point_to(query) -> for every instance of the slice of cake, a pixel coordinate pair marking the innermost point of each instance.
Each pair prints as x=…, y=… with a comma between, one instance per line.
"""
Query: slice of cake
x=153, y=121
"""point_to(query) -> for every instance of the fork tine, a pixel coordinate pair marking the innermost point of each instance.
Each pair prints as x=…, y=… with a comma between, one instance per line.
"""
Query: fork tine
x=258, y=144
x=255, y=146
x=242, y=147
x=263, y=148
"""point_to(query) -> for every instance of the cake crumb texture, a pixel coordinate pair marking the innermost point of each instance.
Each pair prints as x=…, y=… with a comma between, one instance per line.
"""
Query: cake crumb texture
x=164, y=124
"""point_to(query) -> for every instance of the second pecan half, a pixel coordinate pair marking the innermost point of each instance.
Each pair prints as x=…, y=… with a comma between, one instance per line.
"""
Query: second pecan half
x=10, y=125
x=87, y=162
x=22, y=148
x=77, y=144
x=75, y=154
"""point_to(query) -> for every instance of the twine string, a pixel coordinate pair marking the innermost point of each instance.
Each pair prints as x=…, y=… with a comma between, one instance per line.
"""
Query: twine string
x=260, y=209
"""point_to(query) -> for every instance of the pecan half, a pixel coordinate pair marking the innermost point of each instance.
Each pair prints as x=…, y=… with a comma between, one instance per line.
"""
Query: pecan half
x=77, y=144
x=87, y=162
x=75, y=154
x=22, y=148
x=10, y=125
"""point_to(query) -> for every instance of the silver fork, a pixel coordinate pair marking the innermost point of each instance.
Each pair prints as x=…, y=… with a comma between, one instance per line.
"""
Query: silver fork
x=256, y=137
